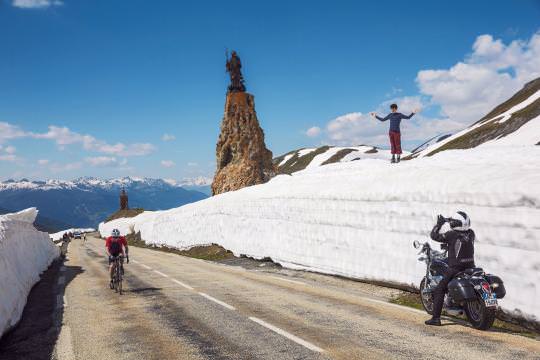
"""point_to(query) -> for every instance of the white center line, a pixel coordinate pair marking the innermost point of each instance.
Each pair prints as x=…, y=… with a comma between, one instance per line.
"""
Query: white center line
x=134, y=261
x=61, y=280
x=217, y=301
x=145, y=266
x=160, y=273
x=182, y=284
x=289, y=336
x=291, y=281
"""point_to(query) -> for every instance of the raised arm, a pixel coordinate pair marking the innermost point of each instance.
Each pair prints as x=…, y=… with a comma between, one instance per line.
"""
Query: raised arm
x=407, y=117
x=384, y=118
x=435, y=235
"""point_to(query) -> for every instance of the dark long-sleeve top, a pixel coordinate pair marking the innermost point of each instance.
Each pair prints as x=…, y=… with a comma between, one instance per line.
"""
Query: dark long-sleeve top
x=395, y=120
x=460, y=246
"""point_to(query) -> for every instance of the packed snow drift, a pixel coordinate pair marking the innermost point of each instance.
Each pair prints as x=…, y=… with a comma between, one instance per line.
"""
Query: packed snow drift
x=58, y=235
x=24, y=254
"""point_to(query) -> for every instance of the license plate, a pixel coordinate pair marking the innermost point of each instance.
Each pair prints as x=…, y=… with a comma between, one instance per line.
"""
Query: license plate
x=490, y=300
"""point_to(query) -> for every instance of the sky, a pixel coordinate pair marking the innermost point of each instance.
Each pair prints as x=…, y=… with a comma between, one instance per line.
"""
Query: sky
x=115, y=88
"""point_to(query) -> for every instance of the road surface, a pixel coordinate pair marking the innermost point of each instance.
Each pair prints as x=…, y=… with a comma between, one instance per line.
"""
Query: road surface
x=176, y=307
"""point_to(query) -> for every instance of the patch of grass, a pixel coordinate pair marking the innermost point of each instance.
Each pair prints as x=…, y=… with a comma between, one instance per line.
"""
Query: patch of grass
x=408, y=299
x=297, y=163
x=211, y=252
x=412, y=300
x=338, y=156
x=125, y=214
x=372, y=151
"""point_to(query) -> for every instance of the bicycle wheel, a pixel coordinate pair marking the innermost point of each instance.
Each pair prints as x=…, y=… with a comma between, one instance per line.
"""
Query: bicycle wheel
x=119, y=275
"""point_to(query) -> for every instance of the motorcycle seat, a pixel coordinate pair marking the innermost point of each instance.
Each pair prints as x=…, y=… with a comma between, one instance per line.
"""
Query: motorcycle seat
x=472, y=271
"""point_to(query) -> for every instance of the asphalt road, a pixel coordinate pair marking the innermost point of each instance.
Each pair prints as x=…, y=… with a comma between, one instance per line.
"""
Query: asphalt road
x=176, y=307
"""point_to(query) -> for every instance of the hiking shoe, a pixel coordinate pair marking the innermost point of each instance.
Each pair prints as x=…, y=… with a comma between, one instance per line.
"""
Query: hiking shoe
x=111, y=285
x=433, y=322
x=393, y=161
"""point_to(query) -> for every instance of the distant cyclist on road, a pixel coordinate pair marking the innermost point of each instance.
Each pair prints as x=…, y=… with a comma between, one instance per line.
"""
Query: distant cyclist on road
x=115, y=245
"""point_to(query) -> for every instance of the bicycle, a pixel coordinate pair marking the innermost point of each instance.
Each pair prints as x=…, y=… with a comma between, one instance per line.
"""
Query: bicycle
x=117, y=274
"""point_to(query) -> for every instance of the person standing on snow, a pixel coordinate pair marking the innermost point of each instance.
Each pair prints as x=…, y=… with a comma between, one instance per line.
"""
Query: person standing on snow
x=395, y=133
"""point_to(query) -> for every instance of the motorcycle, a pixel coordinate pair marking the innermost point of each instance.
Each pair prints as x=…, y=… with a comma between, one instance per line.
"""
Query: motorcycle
x=471, y=291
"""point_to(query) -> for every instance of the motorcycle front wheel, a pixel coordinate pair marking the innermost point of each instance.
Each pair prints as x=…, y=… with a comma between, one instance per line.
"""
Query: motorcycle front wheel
x=427, y=299
x=480, y=316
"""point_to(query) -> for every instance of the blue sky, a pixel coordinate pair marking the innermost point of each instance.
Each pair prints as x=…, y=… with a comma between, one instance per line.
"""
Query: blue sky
x=90, y=87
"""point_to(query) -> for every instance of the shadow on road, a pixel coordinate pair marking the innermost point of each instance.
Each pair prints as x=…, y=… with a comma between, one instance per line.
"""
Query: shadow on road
x=36, y=334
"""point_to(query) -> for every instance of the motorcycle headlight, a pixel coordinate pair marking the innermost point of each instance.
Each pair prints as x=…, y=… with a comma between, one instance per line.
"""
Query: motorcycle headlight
x=494, y=285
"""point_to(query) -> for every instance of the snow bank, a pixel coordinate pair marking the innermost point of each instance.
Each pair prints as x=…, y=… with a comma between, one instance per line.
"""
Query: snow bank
x=58, y=235
x=359, y=219
x=24, y=254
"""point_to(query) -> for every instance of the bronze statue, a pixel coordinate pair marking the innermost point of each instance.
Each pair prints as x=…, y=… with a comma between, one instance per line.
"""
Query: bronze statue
x=234, y=67
x=123, y=200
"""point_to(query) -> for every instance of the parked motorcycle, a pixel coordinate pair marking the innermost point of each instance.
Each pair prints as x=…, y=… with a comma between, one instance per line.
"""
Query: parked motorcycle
x=472, y=291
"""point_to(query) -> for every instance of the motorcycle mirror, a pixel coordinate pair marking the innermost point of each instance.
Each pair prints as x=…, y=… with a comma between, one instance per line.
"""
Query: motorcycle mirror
x=416, y=244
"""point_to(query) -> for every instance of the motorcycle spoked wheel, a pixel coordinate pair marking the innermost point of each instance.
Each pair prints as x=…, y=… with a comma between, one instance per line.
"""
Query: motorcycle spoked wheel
x=427, y=299
x=480, y=316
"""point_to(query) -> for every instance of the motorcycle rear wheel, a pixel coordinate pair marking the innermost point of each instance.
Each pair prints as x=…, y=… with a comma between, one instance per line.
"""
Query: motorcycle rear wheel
x=480, y=316
x=427, y=299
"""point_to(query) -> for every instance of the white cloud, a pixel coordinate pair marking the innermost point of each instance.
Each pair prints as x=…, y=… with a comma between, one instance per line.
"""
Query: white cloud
x=8, y=157
x=10, y=149
x=192, y=164
x=102, y=161
x=492, y=73
x=167, y=163
x=64, y=136
x=168, y=137
x=36, y=4
x=9, y=132
x=58, y=168
x=43, y=162
x=313, y=131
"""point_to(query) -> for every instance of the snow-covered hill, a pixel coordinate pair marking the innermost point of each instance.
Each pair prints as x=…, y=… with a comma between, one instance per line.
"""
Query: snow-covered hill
x=309, y=158
x=85, y=202
x=516, y=122
x=24, y=254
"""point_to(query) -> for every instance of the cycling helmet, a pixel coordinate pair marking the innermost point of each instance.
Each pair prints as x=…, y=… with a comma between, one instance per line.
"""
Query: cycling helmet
x=460, y=221
x=115, y=233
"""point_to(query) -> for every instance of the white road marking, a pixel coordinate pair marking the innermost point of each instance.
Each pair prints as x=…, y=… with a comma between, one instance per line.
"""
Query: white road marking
x=217, y=301
x=64, y=346
x=134, y=261
x=289, y=336
x=160, y=273
x=61, y=280
x=182, y=284
x=291, y=281
x=145, y=266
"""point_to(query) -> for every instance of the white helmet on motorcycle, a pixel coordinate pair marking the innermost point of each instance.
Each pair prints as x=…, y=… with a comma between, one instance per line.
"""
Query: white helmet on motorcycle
x=115, y=233
x=460, y=221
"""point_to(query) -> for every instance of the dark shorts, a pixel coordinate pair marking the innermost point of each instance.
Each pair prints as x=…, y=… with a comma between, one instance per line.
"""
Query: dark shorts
x=112, y=257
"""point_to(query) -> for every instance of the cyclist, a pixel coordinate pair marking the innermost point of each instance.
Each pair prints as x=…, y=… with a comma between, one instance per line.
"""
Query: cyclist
x=115, y=245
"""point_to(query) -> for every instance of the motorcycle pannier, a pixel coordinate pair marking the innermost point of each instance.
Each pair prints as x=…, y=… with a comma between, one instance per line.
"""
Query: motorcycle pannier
x=497, y=285
x=461, y=290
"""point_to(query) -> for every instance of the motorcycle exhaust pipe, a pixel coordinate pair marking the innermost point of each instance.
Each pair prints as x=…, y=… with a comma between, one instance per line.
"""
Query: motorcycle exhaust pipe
x=454, y=312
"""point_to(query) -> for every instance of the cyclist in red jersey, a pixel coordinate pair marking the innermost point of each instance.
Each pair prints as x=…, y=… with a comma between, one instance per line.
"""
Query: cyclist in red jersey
x=115, y=245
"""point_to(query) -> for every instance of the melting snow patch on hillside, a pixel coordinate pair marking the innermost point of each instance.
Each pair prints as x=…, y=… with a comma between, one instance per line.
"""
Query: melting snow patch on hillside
x=24, y=254
x=360, y=218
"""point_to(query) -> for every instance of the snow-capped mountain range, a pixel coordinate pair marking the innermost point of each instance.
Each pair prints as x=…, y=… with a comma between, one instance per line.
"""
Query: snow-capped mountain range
x=84, y=202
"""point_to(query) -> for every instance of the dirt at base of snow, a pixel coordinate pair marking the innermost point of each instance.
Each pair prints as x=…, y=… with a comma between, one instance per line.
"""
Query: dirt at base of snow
x=36, y=334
